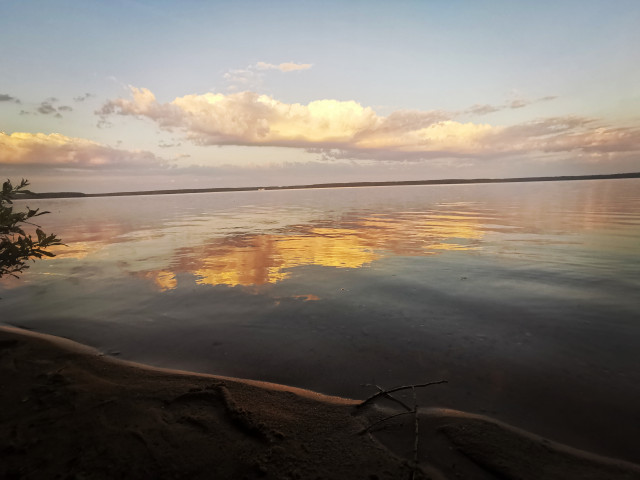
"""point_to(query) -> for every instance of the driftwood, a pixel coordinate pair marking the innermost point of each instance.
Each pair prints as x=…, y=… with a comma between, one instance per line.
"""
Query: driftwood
x=417, y=434
x=382, y=393
x=362, y=432
x=386, y=393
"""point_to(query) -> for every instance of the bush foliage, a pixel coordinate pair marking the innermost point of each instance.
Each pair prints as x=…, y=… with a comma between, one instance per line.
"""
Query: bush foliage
x=17, y=247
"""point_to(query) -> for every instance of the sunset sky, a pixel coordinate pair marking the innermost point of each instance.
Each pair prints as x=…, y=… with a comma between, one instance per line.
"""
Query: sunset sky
x=100, y=96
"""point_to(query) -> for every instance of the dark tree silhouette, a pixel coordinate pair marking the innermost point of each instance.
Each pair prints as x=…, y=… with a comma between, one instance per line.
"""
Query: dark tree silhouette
x=17, y=247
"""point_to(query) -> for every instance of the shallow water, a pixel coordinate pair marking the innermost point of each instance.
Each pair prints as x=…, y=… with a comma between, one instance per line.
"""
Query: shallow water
x=523, y=296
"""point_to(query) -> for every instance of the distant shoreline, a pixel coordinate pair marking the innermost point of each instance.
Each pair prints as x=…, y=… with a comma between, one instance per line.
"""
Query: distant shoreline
x=455, y=181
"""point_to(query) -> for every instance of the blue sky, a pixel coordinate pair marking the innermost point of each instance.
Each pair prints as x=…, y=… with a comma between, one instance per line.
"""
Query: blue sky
x=134, y=95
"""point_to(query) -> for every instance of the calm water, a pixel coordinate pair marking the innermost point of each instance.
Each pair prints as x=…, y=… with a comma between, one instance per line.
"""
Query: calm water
x=526, y=297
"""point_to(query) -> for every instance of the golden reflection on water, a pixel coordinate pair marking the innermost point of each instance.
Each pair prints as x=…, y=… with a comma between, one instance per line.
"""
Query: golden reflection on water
x=77, y=250
x=267, y=258
x=163, y=280
x=256, y=244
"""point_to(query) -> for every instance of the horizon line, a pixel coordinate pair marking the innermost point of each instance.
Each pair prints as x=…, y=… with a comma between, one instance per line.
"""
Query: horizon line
x=449, y=181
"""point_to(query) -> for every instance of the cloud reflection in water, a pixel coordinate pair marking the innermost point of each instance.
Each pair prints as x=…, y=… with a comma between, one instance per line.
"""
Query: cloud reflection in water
x=251, y=259
x=258, y=259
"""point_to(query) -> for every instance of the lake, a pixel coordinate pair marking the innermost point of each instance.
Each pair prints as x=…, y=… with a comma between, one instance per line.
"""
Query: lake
x=524, y=296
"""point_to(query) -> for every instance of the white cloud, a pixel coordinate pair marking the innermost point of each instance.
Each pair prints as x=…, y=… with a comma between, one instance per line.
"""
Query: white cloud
x=242, y=77
x=56, y=150
x=283, y=67
x=354, y=130
x=251, y=77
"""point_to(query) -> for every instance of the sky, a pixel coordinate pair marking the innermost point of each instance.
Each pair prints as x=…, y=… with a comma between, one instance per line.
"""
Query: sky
x=105, y=96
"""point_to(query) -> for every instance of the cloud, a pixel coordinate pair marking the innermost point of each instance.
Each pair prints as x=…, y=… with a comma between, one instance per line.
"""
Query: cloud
x=283, y=67
x=485, y=109
x=8, y=98
x=168, y=145
x=251, y=76
x=46, y=108
x=56, y=150
x=104, y=123
x=568, y=134
x=82, y=98
x=576, y=134
x=518, y=103
x=346, y=129
x=243, y=77
x=248, y=118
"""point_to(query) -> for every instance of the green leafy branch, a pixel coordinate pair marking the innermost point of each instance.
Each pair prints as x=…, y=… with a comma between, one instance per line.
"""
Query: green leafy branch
x=17, y=247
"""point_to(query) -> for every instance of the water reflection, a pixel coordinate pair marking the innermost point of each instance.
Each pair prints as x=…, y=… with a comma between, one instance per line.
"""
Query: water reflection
x=163, y=280
x=256, y=259
x=268, y=258
x=254, y=244
x=261, y=259
x=76, y=250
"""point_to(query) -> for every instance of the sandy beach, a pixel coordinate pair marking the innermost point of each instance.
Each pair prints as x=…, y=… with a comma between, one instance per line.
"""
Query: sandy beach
x=68, y=411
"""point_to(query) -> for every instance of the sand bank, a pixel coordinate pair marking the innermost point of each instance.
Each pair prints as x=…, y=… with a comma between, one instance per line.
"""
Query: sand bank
x=67, y=411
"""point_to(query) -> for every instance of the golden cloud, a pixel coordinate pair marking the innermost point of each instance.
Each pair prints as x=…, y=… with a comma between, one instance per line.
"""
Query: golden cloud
x=54, y=149
x=248, y=118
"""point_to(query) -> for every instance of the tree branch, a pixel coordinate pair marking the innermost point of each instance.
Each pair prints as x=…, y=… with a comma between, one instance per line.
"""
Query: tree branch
x=396, y=389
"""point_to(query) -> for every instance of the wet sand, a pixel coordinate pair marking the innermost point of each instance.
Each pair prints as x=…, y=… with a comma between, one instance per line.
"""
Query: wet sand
x=67, y=411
